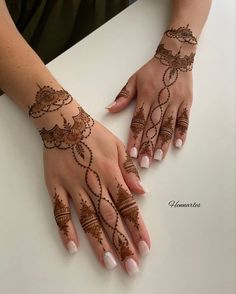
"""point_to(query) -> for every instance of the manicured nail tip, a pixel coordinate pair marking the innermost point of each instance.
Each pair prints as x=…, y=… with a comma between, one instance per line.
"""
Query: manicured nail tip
x=145, y=162
x=178, y=143
x=71, y=247
x=144, y=189
x=109, y=260
x=143, y=248
x=131, y=267
x=111, y=105
x=133, y=152
x=158, y=155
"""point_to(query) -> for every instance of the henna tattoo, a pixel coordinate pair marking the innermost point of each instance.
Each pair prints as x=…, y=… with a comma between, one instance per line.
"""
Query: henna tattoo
x=72, y=137
x=61, y=213
x=48, y=100
x=182, y=34
x=90, y=222
x=182, y=122
x=138, y=122
x=127, y=206
x=123, y=93
x=175, y=63
x=129, y=166
x=166, y=130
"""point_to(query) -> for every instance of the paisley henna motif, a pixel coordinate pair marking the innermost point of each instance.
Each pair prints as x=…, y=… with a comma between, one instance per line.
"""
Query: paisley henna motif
x=182, y=34
x=123, y=93
x=62, y=214
x=137, y=123
x=129, y=166
x=73, y=137
x=166, y=130
x=182, y=122
x=48, y=100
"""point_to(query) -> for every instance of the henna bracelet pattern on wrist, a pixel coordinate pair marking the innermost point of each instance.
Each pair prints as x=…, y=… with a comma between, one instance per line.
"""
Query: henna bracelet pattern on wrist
x=48, y=100
x=73, y=137
x=182, y=34
x=174, y=63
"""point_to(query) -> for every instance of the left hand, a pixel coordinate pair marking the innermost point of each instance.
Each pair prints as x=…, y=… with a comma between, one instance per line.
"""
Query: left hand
x=163, y=89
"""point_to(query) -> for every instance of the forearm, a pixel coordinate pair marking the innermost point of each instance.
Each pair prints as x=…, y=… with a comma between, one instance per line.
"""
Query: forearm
x=22, y=73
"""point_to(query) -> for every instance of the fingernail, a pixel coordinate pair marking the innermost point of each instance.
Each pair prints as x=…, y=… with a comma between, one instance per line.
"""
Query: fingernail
x=111, y=105
x=143, y=248
x=133, y=152
x=131, y=267
x=109, y=260
x=158, y=154
x=71, y=247
x=143, y=187
x=145, y=162
x=178, y=143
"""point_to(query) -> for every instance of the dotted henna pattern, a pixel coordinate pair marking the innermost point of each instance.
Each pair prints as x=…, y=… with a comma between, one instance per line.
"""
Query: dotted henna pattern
x=182, y=34
x=48, y=100
x=61, y=213
x=166, y=130
x=129, y=166
x=138, y=122
x=182, y=122
x=73, y=137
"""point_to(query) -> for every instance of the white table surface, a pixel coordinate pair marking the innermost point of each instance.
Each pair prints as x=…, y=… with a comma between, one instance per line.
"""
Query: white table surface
x=193, y=249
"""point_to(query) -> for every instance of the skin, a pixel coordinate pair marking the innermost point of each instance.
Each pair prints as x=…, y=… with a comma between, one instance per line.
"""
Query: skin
x=22, y=74
x=145, y=84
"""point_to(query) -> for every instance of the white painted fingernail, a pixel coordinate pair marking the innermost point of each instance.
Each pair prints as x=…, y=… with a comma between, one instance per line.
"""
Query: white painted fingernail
x=71, y=247
x=143, y=248
x=133, y=152
x=131, y=267
x=158, y=154
x=145, y=162
x=111, y=105
x=143, y=187
x=109, y=260
x=178, y=143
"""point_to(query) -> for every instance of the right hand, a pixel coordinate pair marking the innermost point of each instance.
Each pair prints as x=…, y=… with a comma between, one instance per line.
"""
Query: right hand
x=86, y=163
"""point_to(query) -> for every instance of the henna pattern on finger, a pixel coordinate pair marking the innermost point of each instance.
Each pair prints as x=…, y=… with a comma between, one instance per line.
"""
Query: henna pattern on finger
x=123, y=93
x=182, y=34
x=129, y=166
x=182, y=122
x=73, y=137
x=138, y=122
x=174, y=63
x=49, y=100
x=62, y=214
x=166, y=130
x=89, y=221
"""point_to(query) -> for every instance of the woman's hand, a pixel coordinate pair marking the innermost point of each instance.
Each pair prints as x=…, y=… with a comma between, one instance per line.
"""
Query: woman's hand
x=163, y=89
x=88, y=165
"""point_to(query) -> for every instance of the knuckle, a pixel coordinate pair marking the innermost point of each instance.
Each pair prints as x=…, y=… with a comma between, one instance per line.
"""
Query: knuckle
x=108, y=212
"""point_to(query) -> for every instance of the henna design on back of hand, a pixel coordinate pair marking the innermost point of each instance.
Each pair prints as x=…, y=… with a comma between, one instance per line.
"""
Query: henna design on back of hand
x=123, y=93
x=182, y=122
x=72, y=137
x=166, y=130
x=61, y=213
x=48, y=100
x=138, y=122
x=182, y=34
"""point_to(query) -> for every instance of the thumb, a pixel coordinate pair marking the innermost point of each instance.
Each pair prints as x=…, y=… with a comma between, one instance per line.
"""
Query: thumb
x=126, y=94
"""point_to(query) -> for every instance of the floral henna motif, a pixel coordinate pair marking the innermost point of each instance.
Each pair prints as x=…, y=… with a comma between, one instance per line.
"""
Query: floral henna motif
x=62, y=214
x=127, y=206
x=166, y=131
x=123, y=93
x=73, y=137
x=137, y=123
x=90, y=222
x=182, y=122
x=129, y=166
x=48, y=100
x=182, y=34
